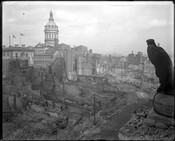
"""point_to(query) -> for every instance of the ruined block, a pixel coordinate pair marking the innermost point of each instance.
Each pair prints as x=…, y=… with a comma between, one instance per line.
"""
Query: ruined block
x=37, y=108
x=149, y=122
x=161, y=125
x=53, y=114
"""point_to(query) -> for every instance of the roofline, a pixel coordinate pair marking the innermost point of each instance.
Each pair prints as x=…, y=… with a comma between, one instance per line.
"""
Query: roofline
x=18, y=49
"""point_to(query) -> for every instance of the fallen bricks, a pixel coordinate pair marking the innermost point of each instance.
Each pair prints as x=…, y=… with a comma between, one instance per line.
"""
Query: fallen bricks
x=141, y=128
x=58, y=124
x=78, y=121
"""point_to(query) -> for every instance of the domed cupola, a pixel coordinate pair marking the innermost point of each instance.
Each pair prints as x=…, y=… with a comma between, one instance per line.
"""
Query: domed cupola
x=51, y=31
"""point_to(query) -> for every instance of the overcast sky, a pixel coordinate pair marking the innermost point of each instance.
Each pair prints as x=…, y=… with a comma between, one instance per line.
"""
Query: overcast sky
x=104, y=27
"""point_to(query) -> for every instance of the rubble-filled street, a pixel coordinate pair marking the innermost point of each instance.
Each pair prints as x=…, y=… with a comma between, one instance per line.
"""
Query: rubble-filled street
x=75, y=110
x=38, y=121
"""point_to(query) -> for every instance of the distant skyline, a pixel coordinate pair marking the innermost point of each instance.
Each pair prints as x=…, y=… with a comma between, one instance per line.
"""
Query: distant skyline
x=105, y=27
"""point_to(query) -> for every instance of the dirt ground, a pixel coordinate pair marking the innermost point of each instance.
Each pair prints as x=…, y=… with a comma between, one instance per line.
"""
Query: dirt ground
x=114, y=105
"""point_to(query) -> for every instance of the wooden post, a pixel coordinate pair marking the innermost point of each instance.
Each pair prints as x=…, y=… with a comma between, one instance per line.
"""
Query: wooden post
x=103, y=86
x=53, y=105
x=63, y=70
x=41, y=87
x=15, y=101
x=141, y=74
x=121, y=69
x=63, y=85
x=94, y=111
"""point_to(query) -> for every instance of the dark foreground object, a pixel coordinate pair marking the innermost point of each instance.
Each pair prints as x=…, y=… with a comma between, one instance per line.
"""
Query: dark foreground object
x=163, y=66
x=163, y=104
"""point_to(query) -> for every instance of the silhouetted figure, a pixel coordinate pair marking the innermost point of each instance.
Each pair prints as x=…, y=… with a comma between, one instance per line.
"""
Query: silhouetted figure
x=163, y=65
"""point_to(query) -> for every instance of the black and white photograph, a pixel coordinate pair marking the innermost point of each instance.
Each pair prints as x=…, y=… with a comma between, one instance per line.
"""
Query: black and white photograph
x=88, y=70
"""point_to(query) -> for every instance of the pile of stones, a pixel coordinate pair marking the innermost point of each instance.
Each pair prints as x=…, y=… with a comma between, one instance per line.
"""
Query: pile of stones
x=144, y=126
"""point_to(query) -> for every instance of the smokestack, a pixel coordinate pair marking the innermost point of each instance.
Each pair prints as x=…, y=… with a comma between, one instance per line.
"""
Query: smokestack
x=158, y=44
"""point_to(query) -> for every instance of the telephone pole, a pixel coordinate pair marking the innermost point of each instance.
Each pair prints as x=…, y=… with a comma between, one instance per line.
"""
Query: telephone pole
x=41, y=86
x=94, y=111
x=141, y=74
x=63, y=72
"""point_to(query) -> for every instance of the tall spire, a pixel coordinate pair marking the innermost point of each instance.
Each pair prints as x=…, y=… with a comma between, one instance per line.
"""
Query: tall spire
x=51, y=16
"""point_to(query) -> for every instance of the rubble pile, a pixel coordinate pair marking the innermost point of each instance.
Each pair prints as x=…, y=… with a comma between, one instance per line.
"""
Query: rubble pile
x=141, y=128
x=69, y=112
x=113, y=108
x=27, y=126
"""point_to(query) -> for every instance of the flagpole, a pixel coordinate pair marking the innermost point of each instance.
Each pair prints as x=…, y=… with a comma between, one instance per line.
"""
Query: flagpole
x=12, y=41
x=9, y=41
x=20, y=39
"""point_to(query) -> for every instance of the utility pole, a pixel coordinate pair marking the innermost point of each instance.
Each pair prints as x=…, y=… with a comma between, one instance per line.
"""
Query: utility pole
x=94, y=111
x=63, y=86
x=141, y=74
x=63, y=70
x=121, y=69
x=15, y=101
x=41, y=87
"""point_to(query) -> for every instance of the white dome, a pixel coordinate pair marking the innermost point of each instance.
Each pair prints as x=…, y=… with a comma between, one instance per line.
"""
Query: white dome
x=51, y=23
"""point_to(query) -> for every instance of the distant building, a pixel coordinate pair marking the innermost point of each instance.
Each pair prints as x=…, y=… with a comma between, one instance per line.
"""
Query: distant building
x=44, y=55
x=76, y=60
x=19, y=53
x=131, y=58
x=139, y=58
x=87, y=68
x=123, y=62
x=67, y=55
x=116, y=61
x=51, y=32
x=58, y=69
x=79, y=64
x=81, y=49
x=95, y=62
x=135, y=59
x=109, y=63
x=83, y=66
x=64, y=46
x=85, y=62
x=79, y=55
